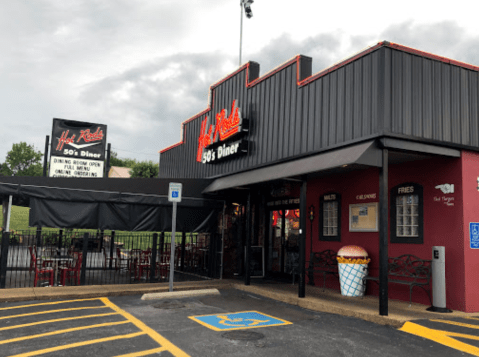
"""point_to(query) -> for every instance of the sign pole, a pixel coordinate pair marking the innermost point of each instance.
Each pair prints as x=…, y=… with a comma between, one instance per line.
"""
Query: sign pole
x=174, y=195
x=172, y=249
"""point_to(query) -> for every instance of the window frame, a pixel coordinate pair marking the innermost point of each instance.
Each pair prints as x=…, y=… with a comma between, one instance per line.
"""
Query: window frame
x=322, y=199
x=417, y=190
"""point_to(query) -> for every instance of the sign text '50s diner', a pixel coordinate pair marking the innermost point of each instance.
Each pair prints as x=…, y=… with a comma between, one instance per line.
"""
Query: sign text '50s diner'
x=222, y=139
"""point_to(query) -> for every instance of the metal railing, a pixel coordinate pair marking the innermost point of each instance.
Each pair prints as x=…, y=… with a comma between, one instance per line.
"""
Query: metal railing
x=113, y=258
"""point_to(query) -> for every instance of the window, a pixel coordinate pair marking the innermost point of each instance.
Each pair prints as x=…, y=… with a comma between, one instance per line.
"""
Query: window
x=330, y=217
x=407, y=214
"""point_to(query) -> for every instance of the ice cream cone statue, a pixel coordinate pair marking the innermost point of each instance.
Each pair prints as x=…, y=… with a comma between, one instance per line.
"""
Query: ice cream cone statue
x=353, y=267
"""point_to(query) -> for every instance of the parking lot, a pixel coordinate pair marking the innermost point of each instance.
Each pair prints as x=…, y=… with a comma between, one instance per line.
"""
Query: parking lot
x=232, y=323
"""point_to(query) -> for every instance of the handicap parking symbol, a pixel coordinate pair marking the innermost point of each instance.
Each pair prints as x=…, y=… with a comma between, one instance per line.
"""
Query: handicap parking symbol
x=238, y=320
x=474, y=234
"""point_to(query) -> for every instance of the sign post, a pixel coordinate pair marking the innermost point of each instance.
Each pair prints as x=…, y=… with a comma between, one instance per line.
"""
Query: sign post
x=174, y=195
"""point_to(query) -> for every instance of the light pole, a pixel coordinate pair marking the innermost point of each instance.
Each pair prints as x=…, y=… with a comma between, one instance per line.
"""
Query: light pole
x=246, y=4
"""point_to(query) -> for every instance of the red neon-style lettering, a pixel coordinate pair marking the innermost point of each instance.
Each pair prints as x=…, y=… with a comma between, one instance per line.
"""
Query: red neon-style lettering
x=88, y=137
x=225, y=127
x=64, y=139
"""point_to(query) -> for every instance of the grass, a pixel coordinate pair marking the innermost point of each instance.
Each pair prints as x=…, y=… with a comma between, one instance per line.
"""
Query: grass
x=19, y=222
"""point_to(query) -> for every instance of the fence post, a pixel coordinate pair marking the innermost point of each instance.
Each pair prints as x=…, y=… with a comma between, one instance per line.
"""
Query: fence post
x=162, y=242
x=153, y=258
x=83, y=264
x=3, y=258
x=183, y=246
x=112, y=245
x=39, y=237
x=60, y=238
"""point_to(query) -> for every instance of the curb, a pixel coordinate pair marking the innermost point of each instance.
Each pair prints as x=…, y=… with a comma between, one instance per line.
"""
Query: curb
x=179, y=294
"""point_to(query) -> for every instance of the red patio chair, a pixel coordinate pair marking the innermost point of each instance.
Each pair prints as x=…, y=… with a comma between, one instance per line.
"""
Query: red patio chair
x=47, y=252
x=163, y=265
x=122, y=261
x=144, y=263
x=135, y=258
x=46, y=273
x=73, y=272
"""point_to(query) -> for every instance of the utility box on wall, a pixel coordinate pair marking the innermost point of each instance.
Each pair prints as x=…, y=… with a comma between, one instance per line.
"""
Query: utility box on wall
x=438, y=265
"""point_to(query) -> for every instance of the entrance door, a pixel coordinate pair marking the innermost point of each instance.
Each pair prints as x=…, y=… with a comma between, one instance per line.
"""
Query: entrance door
x=283, y=242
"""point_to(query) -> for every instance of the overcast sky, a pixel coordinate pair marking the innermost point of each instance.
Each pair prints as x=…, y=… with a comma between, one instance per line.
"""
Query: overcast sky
x=142, y=67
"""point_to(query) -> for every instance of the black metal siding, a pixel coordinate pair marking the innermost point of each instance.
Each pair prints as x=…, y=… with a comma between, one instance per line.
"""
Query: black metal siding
x=385, y=92
x=433, y=100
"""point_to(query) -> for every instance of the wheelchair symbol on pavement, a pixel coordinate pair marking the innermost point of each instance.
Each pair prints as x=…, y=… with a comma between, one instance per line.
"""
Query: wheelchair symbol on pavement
x=238, y=320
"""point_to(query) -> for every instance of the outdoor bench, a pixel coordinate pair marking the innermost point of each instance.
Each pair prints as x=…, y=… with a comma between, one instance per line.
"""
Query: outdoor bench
x=408, y=270
x=323, y=263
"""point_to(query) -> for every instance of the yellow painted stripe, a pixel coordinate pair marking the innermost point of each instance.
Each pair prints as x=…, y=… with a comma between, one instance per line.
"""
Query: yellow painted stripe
x=59, y=332
x=52, y=311
x=175, y=351
x=143, y=353
x=442, y=337
x=457, y=324
x=56, y=320
x=46, y=303
x=211, y=327
x=78, y=344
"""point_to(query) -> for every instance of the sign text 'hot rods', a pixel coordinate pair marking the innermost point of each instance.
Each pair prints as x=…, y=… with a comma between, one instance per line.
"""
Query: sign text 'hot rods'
x=210, y=147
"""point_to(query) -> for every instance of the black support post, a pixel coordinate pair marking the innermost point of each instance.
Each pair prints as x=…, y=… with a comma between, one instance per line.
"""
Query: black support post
x=108, y=156
x=183, y=246
x=45, y=156
x=247, y=270
x=383, y=235
x=5, y=241
x=153, y=258
x=83, y=264
x=302, y=240
x=112, y=247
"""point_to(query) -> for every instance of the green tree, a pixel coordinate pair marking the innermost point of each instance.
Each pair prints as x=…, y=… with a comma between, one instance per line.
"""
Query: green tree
x=23, y=160
x=116, y=161
x=145, y=169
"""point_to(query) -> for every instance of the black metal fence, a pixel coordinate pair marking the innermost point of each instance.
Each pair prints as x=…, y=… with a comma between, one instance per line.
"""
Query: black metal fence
x=40, y=258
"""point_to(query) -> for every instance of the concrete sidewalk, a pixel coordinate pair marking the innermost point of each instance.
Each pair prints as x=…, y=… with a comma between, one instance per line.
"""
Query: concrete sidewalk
x=316, y=299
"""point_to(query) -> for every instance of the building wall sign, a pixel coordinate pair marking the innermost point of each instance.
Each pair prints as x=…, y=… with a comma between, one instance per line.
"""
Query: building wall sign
x=77, y=149
x=369, y=196
x=214, y=141
x=363, y=217
x=474, y=235
x=446, y=188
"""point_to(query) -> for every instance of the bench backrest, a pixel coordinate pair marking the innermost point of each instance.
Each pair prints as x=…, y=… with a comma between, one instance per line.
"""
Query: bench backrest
x=325, y=260
x=410, y=266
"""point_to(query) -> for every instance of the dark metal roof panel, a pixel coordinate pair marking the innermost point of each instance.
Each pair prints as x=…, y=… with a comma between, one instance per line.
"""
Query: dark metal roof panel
x=385, y=92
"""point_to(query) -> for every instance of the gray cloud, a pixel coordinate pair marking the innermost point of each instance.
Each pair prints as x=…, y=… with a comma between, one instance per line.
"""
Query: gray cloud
x=118, y=63
x=147, y=104
x=446, y=38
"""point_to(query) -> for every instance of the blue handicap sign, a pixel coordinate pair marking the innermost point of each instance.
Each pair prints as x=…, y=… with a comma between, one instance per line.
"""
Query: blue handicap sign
x=238, y=320
x=474, y=234
x=174, y=194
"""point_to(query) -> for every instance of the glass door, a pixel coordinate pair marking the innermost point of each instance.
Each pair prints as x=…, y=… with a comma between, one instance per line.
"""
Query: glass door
x=283, y=241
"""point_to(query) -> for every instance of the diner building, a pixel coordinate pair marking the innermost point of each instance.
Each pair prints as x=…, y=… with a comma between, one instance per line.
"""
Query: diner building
x=380, y=150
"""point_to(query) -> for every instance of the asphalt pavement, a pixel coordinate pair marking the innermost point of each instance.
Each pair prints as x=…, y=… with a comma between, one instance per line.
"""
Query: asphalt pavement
x=219, y=322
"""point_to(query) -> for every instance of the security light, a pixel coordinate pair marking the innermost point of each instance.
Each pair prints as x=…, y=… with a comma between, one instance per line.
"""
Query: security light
x=246, y=4
x=247, y=8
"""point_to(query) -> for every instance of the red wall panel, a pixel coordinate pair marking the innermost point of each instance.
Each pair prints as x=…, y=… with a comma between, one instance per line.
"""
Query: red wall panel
x=470, y=173
x=443, y=221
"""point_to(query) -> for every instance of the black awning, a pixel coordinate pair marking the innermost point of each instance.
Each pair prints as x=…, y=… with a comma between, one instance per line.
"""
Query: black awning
x=117, y=204
x=364, y=154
